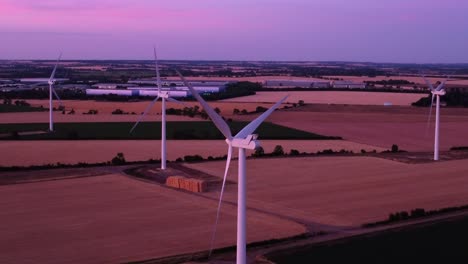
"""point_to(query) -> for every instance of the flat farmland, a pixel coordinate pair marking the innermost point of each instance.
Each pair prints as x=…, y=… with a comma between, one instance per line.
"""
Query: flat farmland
x=43, y=117
x=415, y=79
x=115, y=219
x=346, y=191
x=380, y=126
x=27, y=153
x=104, y=107
x=332, y=97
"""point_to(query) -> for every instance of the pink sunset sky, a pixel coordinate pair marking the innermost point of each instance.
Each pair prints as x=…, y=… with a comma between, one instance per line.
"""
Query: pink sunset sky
x=430, y=31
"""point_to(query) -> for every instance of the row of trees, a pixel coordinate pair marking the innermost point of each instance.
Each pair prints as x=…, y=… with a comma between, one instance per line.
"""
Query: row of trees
x=453, y=98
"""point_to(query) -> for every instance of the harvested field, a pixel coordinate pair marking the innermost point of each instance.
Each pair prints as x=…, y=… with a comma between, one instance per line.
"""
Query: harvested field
x=332, y=97
x=416, y=79
x=36, y=117
x=346, y=191
x=115, y=219
x=405, y=127
x=105, y=107
x=26, y=153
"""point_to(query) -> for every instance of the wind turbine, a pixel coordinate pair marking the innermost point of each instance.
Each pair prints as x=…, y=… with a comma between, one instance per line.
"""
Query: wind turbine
x=436, y=93
x=243, y=140
x=51, y=81
x=164, y=95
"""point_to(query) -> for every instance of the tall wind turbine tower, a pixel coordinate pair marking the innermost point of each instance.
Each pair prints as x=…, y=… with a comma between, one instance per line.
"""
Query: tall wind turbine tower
x=243, y=140
x=164, y=95
x=51, y=83
x=436, y=93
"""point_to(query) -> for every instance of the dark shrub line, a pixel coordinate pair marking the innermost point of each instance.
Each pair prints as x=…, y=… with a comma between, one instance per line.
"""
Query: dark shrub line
x=414, y=214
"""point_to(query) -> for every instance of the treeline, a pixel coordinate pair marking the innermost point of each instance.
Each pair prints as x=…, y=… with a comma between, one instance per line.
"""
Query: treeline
x=236, y=89
x=453, y=98
x=390, y=82
x=414, y=214
x=318, y=72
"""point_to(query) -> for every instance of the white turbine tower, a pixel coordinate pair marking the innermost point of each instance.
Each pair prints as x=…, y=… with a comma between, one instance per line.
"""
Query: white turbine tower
x=164, y=95
x=51, y=83
x=243, y=140
x=436, y=93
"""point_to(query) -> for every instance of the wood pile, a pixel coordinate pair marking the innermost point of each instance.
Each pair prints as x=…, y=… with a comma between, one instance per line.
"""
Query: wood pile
x=188, y=184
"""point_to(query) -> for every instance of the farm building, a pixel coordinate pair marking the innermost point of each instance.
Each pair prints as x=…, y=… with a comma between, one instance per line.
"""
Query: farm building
x=297, y=83
x=348, y=85
x=110, y=85
x=122, y=92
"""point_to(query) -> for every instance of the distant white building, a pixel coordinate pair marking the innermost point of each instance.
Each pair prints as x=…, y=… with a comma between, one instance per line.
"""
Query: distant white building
x=110, y=85
x=200, y=89
x=122, y=92
x=154, y=93
x=179, y=83
x=296, y=83
x=348, y=85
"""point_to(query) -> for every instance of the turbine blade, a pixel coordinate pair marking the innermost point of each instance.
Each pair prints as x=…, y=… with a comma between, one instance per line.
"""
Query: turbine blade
x=170, y=99
x=430, y=115
x=217, y=119
x=213, y=236
x=441, y=85
x=144, y=113
x=56, y=95
x=428, y=83
x=250, y=128
x=158, y=77
x=55, y=68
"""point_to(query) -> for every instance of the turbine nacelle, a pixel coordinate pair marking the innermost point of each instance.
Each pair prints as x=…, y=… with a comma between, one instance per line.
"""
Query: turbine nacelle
x=163, y=94
x=439, y=92
x=250, y=142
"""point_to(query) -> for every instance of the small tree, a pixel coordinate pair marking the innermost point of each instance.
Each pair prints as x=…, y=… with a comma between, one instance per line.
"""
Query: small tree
x=259, y=152
x=236, y=111
x=278, y=151
x=294, y=152
x=217, y=110
x=394, y=148
x=260, y=109
x=119, y=159
x=244, y=112
x=301, y=102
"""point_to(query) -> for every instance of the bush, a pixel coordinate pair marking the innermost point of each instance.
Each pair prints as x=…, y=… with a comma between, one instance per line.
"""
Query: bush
x=418, y=212
x=193, y=158
x=118, y=112
x=259, y=152
x=91, y=112
x=278, y=151
x=294, y=152
x=260, y=109
x=119, y=159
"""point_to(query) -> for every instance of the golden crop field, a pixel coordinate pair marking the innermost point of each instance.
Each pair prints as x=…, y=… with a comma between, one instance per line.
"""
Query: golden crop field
x=345, y=191
x=115, y=219
x=332, y=97
x=26, y=153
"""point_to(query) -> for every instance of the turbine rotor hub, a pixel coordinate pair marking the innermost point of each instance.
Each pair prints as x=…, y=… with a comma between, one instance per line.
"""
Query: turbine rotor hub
x=440, y=92
x=250, y=142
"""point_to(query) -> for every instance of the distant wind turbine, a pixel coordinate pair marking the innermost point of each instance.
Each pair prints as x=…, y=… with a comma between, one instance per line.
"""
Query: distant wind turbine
x=51, y=81
x=243, y=140
x=164, y=95
x=436, y=93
